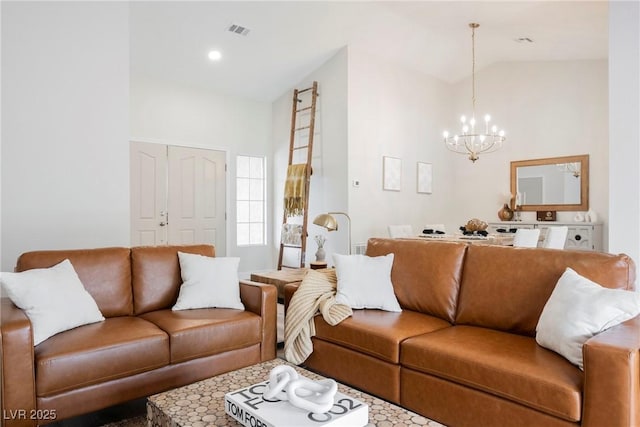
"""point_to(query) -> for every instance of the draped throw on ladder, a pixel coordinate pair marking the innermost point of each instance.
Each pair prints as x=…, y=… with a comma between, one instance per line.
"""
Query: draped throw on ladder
x=294, y=188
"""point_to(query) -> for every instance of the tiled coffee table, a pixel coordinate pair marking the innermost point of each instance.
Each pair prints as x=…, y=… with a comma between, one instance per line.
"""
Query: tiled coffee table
x=201, y=404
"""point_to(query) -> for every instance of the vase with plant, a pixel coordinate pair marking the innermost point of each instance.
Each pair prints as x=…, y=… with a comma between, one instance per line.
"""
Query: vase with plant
x=320, y=253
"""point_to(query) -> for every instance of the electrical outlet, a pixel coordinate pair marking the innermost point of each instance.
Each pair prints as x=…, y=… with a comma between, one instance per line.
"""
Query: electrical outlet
x=356, y=183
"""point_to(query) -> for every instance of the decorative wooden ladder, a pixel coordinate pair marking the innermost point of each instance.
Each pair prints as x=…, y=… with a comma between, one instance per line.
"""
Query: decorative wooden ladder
x=298, y=141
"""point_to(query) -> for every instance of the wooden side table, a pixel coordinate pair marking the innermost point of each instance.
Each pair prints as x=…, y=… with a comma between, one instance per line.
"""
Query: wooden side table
x=318, y=265
x=280, y=278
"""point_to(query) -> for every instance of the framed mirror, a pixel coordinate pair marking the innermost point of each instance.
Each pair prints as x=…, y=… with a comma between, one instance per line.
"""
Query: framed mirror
x=554, y=184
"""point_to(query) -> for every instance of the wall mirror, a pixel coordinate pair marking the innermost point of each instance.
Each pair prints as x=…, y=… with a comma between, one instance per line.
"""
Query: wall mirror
x=554, y=184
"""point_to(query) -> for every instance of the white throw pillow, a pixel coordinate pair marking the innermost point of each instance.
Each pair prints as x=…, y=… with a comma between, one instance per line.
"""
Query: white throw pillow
x=208, y=282
x=365, y=282
x=54, y=299
x=577, y=310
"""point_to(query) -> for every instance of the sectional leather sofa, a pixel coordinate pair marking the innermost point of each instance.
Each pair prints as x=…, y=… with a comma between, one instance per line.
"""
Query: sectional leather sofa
x=463, y=350
x=140, y=349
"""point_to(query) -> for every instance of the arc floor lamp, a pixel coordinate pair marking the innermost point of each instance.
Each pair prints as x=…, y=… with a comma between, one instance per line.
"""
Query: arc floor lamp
x=328, y=221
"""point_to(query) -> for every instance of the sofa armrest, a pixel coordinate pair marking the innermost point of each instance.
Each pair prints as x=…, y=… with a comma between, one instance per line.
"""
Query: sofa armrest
x=612, y=377
x=262, y=300
x=18, y=371
x=289, y=290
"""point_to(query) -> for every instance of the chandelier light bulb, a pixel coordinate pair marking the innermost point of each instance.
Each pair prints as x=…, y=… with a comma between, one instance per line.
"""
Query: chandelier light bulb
x=494, y=129
x=465, y=129
x=472, y=122
x=463, y=119
x=487, y=118
x=501, y=133
x=445, y=134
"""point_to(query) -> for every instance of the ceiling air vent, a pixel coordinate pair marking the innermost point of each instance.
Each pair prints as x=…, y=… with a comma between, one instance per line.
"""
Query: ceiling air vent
x=238, y=29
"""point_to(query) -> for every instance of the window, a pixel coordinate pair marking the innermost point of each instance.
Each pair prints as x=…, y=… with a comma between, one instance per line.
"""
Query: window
x=250, y=201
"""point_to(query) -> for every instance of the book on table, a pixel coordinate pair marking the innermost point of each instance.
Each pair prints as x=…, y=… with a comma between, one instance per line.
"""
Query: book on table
x=248, y=406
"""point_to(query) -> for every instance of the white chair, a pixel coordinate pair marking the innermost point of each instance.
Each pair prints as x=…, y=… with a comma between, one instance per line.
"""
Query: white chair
x=526, y=238
x=397, y=231
x=435, y=227
x=556, y=237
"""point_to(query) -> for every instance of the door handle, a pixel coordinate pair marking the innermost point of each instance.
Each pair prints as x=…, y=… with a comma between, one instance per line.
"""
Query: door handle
x=162, y=224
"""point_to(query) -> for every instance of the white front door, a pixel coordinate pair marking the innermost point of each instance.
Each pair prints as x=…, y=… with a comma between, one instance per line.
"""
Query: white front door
x=197, y=197
x=148, y=163
x=178, y=196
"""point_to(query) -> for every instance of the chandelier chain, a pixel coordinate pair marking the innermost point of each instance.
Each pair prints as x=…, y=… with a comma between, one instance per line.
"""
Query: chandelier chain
x=473, y=68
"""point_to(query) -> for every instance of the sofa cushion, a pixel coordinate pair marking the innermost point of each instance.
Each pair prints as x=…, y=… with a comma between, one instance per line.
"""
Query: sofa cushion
x=365, y=282
x=156, y=275
x=204, y=332
x=116, y=348
x=104, y=272
x=507, y=365
x=579, y=309
x=378, y=333
x=208, y=282
x=45, y=295
x=525, y=277
x=425, y=275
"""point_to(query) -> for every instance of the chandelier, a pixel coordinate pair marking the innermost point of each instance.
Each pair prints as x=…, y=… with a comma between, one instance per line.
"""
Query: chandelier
x=472, y=140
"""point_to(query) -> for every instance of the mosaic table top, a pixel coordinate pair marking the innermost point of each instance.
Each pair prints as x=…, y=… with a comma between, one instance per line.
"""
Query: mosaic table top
x=201, y=404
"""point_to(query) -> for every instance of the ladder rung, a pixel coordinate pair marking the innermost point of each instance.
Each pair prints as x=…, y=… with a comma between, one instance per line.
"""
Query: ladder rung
x=291, y=246
x=290, y=266
x=302, y=147
x=303, y=127
x=303, y=109
x=305, y=90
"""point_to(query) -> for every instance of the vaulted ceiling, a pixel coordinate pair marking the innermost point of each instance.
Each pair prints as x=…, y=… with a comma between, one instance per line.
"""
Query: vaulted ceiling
x=287, y=40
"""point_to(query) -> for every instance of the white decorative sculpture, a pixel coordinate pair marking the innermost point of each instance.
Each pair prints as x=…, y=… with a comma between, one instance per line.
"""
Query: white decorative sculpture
x=279, y=378
x=314, y=396
x=301, y=392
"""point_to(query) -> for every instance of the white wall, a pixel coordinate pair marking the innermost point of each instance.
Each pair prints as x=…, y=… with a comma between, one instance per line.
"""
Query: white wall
x=329, y=180
x=178, y=115
x=396, y=112
x=548, y=109
x=624, y=136
x=65, y=150
x=65, y=134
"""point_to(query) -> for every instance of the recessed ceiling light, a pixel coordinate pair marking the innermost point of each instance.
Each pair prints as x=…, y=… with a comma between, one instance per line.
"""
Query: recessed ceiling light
x=215, y=55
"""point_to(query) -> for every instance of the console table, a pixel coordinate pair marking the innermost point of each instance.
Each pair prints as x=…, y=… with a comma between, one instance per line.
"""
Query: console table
x=586, y=236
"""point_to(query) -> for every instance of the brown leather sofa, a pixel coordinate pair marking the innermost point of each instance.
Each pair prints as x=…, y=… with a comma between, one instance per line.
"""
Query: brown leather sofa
x=140, y=349
x=463, y=350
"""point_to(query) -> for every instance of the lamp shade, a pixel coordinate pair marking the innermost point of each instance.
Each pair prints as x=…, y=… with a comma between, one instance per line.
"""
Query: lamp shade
x=327, y=221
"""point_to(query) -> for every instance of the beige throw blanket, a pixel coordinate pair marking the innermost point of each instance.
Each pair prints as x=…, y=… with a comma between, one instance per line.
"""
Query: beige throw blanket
x=294, y=189
x=316, y=293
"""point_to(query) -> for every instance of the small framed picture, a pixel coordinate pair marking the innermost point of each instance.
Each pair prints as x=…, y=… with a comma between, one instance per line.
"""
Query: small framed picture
x=546, y=215
x=391, y=173
x=425, y=178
